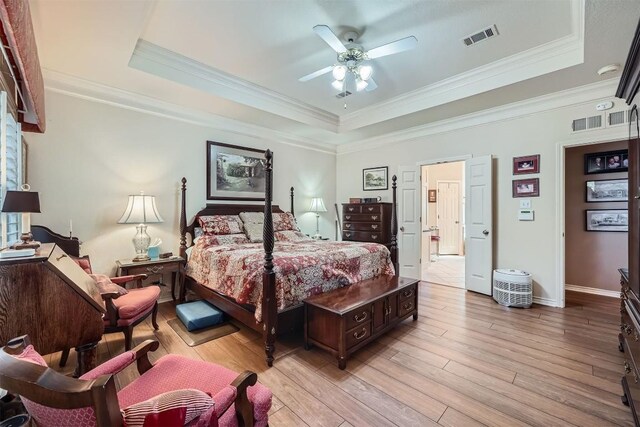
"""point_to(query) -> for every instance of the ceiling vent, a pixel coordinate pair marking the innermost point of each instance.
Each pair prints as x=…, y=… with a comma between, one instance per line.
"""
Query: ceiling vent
x=485, y=34
x=587, y=123
x=343, y=94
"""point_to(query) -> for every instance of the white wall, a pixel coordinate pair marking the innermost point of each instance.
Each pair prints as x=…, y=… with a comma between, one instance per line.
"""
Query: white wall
x=93, y=155
x=530, y=246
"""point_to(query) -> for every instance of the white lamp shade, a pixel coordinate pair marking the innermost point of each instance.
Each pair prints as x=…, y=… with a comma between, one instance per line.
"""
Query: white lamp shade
x=338, y=84
x=361, y=84
x=141, y=209
x=317, y=205
x=365, y=72
x=339, y=72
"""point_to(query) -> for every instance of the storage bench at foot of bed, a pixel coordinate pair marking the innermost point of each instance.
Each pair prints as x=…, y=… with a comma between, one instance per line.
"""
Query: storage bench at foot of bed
x=346, y=319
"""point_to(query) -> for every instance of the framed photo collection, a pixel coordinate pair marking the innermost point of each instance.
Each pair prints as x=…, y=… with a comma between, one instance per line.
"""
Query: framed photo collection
x=606, y=162
x=527, y=187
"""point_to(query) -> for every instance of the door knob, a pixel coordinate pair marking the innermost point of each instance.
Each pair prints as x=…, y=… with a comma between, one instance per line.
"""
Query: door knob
x=402, y=228
x=485, y=232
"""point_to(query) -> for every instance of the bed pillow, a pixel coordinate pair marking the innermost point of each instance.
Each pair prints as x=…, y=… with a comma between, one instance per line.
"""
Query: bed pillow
x=254, y=231
x=284, y=221
x=252, y=217
x=226, y=239
x=290, y=236
x=220, y=224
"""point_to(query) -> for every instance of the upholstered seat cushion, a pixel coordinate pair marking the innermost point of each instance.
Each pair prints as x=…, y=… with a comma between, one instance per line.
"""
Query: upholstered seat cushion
x=173, y=372
x=136, y=302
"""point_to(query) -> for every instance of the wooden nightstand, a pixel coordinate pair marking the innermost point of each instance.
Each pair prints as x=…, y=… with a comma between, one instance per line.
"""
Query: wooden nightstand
x=174, y=265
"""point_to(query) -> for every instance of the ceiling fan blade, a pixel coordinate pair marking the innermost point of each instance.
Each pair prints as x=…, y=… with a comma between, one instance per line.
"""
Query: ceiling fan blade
x=330, y=38
x=397, y=46
x=315, y=74
x=371, y=86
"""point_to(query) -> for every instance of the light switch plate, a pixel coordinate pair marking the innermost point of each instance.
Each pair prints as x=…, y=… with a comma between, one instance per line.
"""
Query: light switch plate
x=525, y=204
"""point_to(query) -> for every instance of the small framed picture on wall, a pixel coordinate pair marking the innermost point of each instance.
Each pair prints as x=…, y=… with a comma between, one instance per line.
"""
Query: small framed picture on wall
x=375, y=179
x=433, y=196
x=526, y=164
x=606, y=162
x=607, y=220
x=526, y=187
x=608, y=190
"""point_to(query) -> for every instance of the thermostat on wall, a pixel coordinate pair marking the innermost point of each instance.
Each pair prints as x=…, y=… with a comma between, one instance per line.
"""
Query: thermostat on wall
x=525, y=215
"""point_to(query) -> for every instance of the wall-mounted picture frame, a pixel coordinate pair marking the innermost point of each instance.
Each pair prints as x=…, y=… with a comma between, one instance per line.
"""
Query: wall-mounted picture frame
x=606, y=162
x=526, y=164
x=235, y=172
x=607, y=220
x=432, y=196
x=375, y=179
x=529, y=187
x=607, y=190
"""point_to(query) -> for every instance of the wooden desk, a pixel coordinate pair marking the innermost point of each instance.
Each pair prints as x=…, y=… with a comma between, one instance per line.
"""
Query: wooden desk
x=54, y=301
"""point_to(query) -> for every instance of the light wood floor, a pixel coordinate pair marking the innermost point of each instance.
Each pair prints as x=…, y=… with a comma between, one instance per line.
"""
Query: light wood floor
x=466, y=362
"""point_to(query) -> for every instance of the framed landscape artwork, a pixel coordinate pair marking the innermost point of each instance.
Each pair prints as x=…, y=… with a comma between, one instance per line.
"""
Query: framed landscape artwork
x=606, y=162
x=526, y=164
x=375, y=178
x=526, y=187
x=607, y=220
x=234, y=172
x=608, y=190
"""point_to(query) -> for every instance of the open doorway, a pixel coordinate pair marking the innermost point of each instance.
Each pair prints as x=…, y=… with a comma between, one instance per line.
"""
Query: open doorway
x=442, y=222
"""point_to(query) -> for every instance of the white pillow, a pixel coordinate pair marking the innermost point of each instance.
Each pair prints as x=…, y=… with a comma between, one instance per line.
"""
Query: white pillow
x=252, y=217
x=254, y=231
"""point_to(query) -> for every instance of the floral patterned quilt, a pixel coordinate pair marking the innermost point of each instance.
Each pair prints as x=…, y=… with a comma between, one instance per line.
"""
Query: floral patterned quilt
x=303, y=268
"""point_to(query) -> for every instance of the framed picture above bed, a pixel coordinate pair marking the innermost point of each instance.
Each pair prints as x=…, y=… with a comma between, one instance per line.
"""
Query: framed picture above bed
x=235, y=172
x=375, y=179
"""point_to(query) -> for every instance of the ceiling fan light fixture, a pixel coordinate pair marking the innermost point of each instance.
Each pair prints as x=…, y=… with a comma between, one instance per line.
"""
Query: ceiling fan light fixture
x=339, y=72
x=361, y=84
x=365, y=71
x=338, y=84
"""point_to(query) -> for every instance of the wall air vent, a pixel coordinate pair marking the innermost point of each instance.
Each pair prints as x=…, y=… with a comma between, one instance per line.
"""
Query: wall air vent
x=616, y=118
x=587, y=123
x=343, y=94
x=492, y=31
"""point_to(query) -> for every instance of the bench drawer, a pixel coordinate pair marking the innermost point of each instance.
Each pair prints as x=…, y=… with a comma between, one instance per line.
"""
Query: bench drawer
x=406, y=307
x=358, y=334
x=407, y=293
x=357, y=317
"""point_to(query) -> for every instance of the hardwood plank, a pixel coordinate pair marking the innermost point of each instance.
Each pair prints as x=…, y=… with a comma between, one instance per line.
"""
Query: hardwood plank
x=453, y=418
x=284, y=417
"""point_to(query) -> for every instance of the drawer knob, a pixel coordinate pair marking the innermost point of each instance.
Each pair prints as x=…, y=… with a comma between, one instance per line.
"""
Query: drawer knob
x=627, y=368
x=347, y=234
x=155, y=269
x=347, y=216
x=374, y=226
x=347, y=225
x=627, y=329
x=374, y=217
x=407, y=306
x=407, y=293
x=374, y=236
x=363, y=332
x=360, y=318
x=370, y=209
x=350, y=209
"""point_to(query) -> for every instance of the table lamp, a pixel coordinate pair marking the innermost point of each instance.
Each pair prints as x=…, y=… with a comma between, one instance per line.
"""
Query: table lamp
x=317, y=206
x=23, y=202
x=141, y=210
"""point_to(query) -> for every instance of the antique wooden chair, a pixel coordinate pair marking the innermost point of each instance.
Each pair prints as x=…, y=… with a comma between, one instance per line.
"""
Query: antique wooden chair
x=126, y=308
x=174, y=391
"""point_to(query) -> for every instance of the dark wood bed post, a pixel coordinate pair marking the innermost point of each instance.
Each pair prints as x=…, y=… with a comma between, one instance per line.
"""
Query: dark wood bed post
x=394, y=227
x=269, y=305
x=183, y=220
x=292, y=211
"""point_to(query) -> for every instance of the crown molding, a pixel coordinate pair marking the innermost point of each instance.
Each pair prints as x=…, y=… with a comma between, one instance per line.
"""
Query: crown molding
x=565, y=98
x=543, y=59
x=84, y=89
x=156, y=60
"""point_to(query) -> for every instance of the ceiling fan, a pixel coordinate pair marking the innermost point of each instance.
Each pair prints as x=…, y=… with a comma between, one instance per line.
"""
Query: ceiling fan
x=353, y=59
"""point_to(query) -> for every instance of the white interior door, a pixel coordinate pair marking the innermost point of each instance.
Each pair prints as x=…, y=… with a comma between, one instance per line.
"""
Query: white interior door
x=479, y=225
x=409, y=221
x=448, y=217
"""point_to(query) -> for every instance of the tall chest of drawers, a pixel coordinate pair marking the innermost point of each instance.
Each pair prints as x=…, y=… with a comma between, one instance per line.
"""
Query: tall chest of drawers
x=367, y=222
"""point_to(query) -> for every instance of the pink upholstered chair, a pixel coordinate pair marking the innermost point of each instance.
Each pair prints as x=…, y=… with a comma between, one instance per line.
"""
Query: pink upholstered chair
x=126, y=308
x=174, y=391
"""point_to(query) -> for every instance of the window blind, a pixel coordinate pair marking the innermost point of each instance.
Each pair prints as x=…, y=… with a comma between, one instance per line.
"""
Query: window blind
x=10, y=170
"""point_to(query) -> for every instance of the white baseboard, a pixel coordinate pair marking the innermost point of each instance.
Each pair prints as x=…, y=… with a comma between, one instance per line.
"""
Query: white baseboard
x=545, y=301
x=595, y=291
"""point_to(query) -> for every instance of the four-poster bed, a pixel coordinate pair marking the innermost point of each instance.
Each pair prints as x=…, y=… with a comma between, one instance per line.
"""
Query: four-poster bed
x=272, y=319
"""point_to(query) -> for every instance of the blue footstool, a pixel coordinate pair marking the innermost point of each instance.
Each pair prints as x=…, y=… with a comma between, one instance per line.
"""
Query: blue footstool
x=198, y=315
